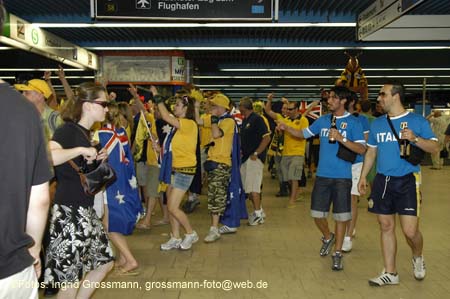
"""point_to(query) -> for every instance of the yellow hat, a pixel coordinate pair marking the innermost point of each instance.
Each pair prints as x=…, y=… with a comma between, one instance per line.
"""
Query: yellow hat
x=37, y=85
x=221, y=100
x=197, y=95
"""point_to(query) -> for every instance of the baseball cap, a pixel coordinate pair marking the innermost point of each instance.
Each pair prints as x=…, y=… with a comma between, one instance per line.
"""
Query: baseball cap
x=221, y=100
x=37, y=85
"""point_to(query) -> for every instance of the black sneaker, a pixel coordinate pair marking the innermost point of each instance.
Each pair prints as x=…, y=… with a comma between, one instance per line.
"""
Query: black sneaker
x=327, y=245
x=337, y=264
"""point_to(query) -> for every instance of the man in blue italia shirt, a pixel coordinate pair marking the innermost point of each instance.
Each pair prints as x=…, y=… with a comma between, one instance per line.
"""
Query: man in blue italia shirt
x=394, y=189
x=334, y=175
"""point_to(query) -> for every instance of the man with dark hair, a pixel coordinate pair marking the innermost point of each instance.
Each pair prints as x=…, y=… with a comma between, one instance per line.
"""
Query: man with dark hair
x=395, y=189
x=334, y=175
x=293, y=155
x=24, y=202
x=255, y=137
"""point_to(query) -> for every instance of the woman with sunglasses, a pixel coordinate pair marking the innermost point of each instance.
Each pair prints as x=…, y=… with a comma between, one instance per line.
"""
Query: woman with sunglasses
x=178, y=166
x=79, y=249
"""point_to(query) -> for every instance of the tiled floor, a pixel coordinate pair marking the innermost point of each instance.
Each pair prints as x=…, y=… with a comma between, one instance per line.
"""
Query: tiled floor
x=283, y=255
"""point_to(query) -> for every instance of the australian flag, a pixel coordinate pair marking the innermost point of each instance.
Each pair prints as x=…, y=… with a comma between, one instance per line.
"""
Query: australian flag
x=236, y=209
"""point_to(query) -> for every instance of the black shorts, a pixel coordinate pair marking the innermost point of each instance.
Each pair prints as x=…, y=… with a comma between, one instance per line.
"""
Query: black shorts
x=391, y=195
x=336, y=191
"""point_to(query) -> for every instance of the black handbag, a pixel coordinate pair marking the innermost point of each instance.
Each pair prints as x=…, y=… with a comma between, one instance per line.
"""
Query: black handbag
x=443, y=154
x=94, y=181
x=416, y=154
x=346, y=154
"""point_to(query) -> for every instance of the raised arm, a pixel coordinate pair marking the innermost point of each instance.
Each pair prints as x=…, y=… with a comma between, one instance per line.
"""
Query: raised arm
x=133, y=91
x=198, y=119
x=165, y=115
x=268, y=107
x=67, y=89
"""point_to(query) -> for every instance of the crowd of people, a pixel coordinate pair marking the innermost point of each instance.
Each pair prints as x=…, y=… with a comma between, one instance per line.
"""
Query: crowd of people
x=168, y=148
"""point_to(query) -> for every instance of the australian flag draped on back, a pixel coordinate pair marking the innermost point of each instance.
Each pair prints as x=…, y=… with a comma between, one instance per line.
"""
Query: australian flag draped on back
x=236, y=209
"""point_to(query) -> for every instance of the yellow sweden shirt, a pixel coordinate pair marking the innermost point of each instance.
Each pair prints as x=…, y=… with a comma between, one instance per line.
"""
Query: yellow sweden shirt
x=151, y=155
x=184, y=144
x=221, y=151
x=294, y=146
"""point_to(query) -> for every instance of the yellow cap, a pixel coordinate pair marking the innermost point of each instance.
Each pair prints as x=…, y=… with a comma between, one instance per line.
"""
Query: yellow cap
x=37, y=85
x=221, y=100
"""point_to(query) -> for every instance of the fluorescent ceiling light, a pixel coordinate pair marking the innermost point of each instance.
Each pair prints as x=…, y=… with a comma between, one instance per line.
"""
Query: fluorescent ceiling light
x=6, y=48
x=75, y=77
x=410, y=76
x=305, y=86
x=315, y=77
x=190, y=25
x=230, y=48
x=262, y=77
x=40, y=70
x=339, y=69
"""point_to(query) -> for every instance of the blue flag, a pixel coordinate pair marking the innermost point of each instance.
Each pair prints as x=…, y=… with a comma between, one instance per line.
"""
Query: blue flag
x=236, y=209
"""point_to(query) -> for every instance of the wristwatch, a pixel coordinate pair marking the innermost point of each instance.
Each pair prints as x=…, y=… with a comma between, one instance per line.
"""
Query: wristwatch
x=344, y=140
x=416, y=140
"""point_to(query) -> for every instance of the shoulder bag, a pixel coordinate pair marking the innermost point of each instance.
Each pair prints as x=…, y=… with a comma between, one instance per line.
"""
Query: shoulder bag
x=95, y=180
x=416, y=154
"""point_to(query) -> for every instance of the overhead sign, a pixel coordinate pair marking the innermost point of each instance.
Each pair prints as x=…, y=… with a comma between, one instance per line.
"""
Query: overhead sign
x=381, y=13
x=32, y=38
x=144, y=69
x=250, y=10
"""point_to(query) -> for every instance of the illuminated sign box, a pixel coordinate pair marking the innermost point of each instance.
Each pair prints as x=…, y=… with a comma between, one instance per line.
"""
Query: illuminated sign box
x=215, y=10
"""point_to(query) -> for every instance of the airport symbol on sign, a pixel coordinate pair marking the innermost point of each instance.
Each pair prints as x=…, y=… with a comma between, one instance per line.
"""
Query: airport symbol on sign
x=142, y=4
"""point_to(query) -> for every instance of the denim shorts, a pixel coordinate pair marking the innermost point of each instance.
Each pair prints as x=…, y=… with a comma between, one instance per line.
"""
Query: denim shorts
x=181, y=181
x=329, y=191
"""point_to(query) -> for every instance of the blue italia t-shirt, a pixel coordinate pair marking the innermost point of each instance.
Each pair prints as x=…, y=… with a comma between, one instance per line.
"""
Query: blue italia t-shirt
x=389, y=162
x=330, y=166
x=366, y=128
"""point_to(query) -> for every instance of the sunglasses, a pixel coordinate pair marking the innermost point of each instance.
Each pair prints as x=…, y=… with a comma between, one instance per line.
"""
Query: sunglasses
x=104, y=104
x=291, y=109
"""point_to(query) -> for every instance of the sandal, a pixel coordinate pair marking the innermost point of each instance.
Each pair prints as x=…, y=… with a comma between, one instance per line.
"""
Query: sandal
x=128, y=273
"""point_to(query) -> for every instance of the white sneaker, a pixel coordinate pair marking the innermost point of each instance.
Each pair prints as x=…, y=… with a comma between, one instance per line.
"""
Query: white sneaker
x=263, y=214
x=227, y=230
x=419, y=267
x=213, y=235
x=255, y=219
x=173, y=243
x=384, y=279
x=188, y=240
x=347, y=245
